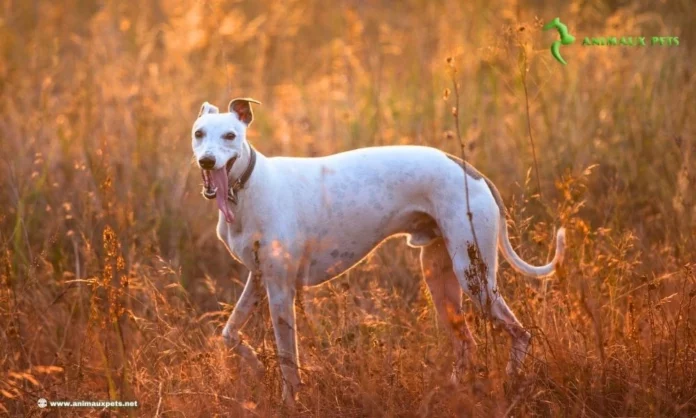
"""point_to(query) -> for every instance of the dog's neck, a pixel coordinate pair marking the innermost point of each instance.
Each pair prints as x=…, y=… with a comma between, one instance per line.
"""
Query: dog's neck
x=240, y=182
x=244, y=195
x=240, y=167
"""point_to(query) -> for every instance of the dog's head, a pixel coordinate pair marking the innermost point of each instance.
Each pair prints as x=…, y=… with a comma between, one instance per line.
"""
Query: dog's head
x=220, y=147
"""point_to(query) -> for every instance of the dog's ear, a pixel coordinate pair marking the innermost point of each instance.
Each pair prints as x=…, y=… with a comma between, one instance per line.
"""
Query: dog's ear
x=208, y=108
x=242, y=108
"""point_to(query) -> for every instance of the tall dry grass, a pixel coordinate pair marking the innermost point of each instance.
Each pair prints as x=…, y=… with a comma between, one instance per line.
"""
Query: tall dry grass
x=115, y=287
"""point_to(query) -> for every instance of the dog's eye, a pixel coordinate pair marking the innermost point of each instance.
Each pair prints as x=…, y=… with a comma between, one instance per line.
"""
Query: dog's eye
x=198, y=134
x=229, y=136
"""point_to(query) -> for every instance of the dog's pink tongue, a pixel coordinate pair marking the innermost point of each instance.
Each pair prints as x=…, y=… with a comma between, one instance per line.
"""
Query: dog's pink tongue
x=219, y=178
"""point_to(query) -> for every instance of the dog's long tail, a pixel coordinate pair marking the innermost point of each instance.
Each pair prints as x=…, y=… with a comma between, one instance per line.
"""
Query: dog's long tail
x=509, y=253
x=504, y=241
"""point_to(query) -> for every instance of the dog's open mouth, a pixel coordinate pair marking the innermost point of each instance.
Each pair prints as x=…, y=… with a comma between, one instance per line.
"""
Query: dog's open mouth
x=216, y=186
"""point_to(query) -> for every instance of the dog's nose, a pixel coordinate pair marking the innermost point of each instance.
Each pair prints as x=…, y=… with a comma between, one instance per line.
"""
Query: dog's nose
x=207, y=163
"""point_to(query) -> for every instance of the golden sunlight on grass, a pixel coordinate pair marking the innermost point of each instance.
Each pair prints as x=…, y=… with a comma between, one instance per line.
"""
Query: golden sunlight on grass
x=114, y=286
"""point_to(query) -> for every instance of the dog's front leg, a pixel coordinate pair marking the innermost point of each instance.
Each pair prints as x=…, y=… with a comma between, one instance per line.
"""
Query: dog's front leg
x=247, y=303
x=281, y=300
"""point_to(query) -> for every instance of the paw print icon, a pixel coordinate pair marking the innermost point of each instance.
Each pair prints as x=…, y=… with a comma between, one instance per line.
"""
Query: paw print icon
x=42, y=403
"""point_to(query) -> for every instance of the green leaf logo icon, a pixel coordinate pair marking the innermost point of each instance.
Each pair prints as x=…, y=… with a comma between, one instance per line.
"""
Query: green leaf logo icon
x=566, y=38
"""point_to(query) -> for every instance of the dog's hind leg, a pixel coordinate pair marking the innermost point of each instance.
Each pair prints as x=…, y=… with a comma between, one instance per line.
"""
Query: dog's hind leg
x=502, y=315
x=247, y=303
x=476, y=268
x=447, y=298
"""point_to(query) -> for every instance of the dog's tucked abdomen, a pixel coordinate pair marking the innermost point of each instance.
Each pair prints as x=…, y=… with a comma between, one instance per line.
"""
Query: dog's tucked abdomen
x=329, y=258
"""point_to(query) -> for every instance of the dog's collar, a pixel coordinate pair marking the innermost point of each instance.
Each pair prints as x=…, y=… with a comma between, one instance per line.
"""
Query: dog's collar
x=239, y=184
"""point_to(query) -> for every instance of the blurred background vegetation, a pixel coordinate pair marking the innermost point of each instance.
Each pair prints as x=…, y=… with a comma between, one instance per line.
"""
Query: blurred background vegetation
x=114, y=284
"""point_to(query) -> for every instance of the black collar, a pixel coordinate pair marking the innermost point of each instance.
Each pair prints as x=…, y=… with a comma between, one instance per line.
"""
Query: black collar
x=241, y=182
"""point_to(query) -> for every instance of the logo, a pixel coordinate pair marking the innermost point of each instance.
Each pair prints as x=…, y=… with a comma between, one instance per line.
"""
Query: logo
x=566, y=38
x=42, y=403
x=635, y=41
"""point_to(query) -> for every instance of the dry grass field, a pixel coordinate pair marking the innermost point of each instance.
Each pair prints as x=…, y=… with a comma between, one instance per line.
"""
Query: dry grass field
x=113, y=284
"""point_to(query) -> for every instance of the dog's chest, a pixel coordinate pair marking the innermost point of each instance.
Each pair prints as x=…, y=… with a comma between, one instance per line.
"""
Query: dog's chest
x=238, y=241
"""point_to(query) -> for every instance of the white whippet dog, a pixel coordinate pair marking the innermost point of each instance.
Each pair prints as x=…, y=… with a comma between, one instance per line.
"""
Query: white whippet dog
x=302, y=221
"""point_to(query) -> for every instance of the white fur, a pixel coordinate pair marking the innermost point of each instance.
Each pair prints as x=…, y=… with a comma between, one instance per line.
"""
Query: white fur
x=315, y=218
